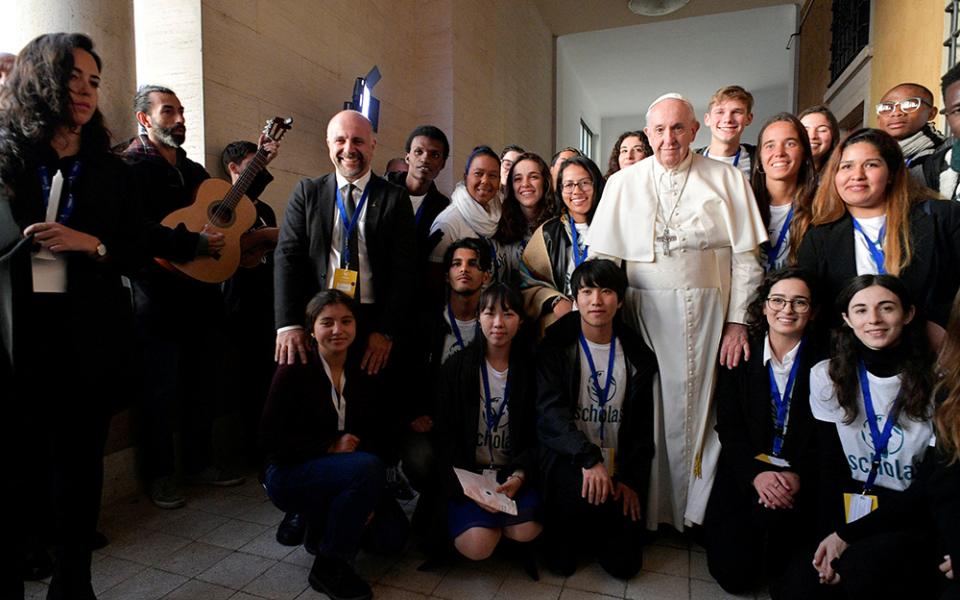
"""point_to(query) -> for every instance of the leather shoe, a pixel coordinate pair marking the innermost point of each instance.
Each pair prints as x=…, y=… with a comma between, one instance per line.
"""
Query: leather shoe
x=337, y=579
x=291, y=529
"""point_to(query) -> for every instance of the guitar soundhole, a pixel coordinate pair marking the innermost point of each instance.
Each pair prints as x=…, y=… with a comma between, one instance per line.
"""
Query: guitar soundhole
x=220, y=215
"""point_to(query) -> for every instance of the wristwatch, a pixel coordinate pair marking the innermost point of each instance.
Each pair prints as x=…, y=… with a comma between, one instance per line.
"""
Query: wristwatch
x=101, y=250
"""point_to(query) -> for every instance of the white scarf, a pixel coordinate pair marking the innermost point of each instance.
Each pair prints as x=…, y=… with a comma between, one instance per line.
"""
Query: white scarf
x=482, y=222
x=919, y=144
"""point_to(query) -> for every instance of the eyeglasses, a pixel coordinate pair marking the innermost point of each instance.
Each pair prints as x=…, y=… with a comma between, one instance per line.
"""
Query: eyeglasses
x=585, y=185
x=907, y=105
x=778, y=303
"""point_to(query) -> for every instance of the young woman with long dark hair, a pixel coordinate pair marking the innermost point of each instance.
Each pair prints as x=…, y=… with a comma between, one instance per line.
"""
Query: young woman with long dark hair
x=784, y=180
x=321, y=433
x=873, y=406
x=630, y=147
x=764, y=501
x=824, y=133
x=69, y=228
x=557, y=247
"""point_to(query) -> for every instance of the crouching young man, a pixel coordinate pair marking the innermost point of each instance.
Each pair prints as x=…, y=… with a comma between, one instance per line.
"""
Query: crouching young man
x=595, y=403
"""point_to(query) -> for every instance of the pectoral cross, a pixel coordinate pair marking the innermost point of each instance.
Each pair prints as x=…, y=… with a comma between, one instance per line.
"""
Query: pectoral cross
x=665, y=240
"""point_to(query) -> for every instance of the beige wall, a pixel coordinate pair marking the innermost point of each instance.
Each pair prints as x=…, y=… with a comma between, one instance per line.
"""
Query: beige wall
x=907, y=47
x=814, y=69
x=490, y=84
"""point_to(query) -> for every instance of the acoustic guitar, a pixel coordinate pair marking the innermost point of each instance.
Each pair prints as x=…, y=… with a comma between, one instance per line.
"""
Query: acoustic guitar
x=223, y=208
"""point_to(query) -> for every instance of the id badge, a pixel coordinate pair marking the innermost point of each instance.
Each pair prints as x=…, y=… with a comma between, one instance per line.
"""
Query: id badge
x=608, y=460
x=858, y=505
x=491, y=476
x=345, y=280
x=773, y=460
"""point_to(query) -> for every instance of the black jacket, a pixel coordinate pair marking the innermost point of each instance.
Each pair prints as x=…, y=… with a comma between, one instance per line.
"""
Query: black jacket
x=303, y=250
x=745, y=419
x=458, y=413
x=99, y=319
x=299, y=420
x=433, y=205
x=558, y=390
x=931, y=277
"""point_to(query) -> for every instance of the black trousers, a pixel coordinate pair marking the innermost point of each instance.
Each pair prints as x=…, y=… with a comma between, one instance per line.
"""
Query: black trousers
x=572, y=524
x=894, y=565
x=179, y=327
x=59, y=420
x=746, y=542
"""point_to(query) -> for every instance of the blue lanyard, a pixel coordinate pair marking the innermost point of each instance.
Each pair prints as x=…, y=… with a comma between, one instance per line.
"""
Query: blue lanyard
x=454, y=327
x=879, y=438
x=736, y=157
x=578, y=256
x=782, y=404
x=492, y=421
x=351, y=224
x=774, y=251
x=46, y=180
x=875, y=247
x=603, y=395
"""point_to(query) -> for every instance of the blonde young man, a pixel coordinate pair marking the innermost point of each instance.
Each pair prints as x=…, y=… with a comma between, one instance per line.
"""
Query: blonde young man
x=730, y=112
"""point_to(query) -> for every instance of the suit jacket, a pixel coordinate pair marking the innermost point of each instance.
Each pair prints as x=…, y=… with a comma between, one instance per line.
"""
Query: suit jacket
x=99, y=317
x=931, y=277
x=303, y=250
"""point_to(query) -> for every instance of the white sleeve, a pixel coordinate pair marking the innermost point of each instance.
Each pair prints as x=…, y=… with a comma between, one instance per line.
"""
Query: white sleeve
x=823, y=395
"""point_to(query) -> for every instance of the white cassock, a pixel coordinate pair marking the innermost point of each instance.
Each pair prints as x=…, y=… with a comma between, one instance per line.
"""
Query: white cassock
x=679, y=299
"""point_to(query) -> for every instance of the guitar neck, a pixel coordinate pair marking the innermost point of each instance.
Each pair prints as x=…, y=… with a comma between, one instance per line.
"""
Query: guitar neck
x=246, y=178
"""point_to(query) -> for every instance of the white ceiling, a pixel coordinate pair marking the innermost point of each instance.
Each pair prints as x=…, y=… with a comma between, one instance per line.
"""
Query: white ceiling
x=573, y=16
x=622, y=70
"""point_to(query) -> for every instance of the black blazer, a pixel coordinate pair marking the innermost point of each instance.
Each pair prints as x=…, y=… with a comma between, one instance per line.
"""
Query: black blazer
x=745, y=423
x=458, y=412
x=99, y=314
x=932, y=277
x=303, y=250
x=558, y=390
x=299, y=421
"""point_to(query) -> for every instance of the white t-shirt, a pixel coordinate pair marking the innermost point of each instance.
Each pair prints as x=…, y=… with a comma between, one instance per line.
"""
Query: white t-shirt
x=499, y=439
x=582, y=229
x=870, y=225
x=907, y=444
x=778, y=216
x=416, y=201
x=468, y=331
x=588, y=415
x=743, y=163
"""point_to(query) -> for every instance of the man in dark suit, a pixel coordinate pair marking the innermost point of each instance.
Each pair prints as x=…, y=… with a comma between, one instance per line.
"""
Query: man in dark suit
x=370, y=254
x=354, y=231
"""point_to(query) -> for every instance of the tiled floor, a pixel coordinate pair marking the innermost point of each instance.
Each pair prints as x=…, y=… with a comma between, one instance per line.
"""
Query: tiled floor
x=222, y=546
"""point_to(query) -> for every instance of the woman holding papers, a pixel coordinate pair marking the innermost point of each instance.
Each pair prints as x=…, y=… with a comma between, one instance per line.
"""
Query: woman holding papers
x=763, y=501
x=320, y=432
x=69, y=229
x=486, y=424
x=872, y=405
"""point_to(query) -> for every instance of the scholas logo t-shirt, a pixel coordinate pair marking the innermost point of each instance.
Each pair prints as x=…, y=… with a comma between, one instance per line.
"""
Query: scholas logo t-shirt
x=496, y=440
x=908, y=440
x=589, y=414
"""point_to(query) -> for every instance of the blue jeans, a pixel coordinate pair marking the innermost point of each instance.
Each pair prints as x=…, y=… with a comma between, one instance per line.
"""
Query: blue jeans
x=336, y=490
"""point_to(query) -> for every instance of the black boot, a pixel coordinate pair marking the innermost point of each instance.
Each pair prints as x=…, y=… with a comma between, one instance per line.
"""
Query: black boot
x=290, y=530
x=337, y=579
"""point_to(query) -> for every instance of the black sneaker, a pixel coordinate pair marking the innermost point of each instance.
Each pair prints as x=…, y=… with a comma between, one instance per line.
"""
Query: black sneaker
x=337, y=579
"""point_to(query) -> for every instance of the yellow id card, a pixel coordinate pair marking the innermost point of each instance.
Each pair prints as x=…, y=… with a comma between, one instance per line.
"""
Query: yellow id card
x=608, y=454
x=345, y=280
x=773, y=460
x=856, y=506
